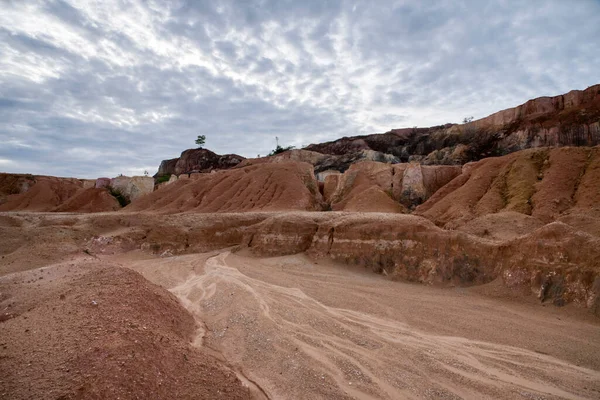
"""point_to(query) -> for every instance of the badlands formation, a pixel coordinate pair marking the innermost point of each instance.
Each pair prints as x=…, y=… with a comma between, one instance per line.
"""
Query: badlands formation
x=452, y=262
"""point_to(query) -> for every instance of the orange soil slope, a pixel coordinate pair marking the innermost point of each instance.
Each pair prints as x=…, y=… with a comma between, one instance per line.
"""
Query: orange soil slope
x=546, y=184
x=48, y=193
x=264, y=187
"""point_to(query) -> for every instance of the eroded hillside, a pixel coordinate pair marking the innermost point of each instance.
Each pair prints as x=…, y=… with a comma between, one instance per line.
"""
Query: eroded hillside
x=546, y=184
x=571, y=119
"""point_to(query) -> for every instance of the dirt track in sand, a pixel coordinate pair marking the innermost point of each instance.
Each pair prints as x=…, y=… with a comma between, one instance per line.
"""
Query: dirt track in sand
x=298, y=329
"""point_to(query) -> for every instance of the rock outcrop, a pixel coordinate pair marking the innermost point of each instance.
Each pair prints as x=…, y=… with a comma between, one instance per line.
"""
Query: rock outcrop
x=167, y=167
x=197, y=160
x=377, y=187
x=132, y=187
x=572, y=119
x=325, y=162
x=102, y=183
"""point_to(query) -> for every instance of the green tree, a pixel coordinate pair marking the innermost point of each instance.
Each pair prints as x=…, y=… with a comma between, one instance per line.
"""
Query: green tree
x=279, y=149
x=201, y=140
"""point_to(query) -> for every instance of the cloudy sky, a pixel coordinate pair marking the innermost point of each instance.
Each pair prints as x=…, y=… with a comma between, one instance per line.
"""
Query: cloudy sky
x=98, y=88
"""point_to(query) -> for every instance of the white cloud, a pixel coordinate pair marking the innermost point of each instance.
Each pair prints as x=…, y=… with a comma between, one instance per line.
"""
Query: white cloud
x=126, y=83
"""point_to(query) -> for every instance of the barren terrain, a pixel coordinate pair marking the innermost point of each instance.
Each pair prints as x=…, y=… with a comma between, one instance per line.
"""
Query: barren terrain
x=260, y=281
x=78, y=321
x=301, y=329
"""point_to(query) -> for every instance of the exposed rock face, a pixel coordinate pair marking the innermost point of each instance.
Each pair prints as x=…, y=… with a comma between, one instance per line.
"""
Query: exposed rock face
x=167, y=167
x=284, y=234
x=102, y=183
x=572, y=119
x=197, y=160
x=330, y=185
x=310, y=157
x=343, y=162
x=322, y=176
x=547, y=261
x=406, y=247
x=325, y=163
x=557, y=262
x=377, y=187
x=133, y=187
x=547, y=107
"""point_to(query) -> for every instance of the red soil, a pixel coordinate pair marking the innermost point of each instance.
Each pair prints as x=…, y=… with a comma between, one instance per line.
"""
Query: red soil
x=48, y=193
x=546, y=184
x=263, y=187
x=96, y=331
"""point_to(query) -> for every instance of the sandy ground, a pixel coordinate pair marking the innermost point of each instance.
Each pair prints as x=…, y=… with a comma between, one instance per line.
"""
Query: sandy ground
x=78, y=319
x=295, y=329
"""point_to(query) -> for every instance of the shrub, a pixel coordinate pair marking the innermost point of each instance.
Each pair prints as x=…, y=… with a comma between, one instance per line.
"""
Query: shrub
x=117, y=194
x=163, y=178
x=280, y=149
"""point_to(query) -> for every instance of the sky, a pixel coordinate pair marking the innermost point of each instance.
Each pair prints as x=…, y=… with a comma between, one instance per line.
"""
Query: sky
x=108, y=87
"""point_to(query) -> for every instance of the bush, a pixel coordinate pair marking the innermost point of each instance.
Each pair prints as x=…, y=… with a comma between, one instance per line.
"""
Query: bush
x=280, y=149
x=117, y=194
x=163, y=178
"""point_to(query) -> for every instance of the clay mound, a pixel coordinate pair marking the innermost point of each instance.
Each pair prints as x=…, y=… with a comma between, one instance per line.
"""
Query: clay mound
x=378, y=187
x=48, y=193
x=265, y=187
x=99, y=331
x=544, y=183
x=37, y=193
x=90, y=200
